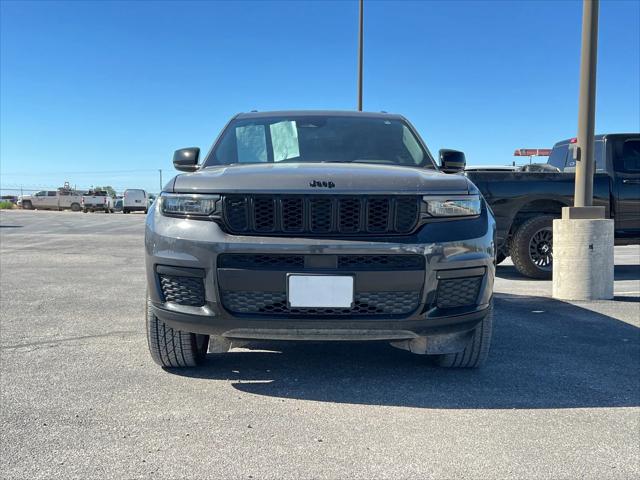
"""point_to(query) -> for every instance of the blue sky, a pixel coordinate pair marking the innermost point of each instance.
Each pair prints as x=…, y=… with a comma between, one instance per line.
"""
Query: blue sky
x=114, y=87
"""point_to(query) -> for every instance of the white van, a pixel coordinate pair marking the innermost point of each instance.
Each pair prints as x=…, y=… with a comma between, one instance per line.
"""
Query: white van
x=134, y=200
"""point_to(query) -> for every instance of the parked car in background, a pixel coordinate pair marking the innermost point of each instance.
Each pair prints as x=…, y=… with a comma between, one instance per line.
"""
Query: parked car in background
x=526, y=202
x=9, y=198
x=134, y=200
x=61, y=199
x=97, y=200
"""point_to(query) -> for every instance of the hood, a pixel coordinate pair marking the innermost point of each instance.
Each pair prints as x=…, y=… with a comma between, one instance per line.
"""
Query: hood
x=320, y=178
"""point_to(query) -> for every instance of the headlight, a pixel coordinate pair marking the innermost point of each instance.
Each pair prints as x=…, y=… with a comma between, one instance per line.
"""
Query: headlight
x=188, y=205
x=462, y=206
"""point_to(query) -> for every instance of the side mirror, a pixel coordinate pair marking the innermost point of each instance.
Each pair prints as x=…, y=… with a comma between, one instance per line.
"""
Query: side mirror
x=186, y=159
x=452, y=161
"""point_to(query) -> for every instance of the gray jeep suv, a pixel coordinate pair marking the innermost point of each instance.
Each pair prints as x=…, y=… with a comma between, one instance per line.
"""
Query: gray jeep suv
x=316, y=225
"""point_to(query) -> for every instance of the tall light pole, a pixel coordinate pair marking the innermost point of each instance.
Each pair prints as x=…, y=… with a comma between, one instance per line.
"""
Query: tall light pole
x=587, y=106
x=160, y=171
x=583, y=237
x=360, y=55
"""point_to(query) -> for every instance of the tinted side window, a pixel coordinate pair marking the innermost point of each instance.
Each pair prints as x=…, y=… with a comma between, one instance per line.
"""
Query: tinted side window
x=601, y=160
x=601, y=165
x=626, y=157
x=51, y=194
x=558, y=156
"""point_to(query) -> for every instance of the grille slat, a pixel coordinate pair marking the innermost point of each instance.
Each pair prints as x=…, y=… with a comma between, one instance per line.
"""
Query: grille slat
x=292, y=214
x=264, y=214
x=349, y=212
x=236, y=213
x=321, y=214
x=407, y=212
x=378, y=215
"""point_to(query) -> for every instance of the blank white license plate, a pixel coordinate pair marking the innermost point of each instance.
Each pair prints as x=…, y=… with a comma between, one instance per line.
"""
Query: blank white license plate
x=335, y=291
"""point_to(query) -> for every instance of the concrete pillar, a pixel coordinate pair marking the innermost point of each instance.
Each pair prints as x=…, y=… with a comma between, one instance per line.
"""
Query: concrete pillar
x=582, y=257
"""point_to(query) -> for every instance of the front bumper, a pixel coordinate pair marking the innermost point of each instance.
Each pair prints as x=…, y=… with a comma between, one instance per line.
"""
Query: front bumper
x=450, y=249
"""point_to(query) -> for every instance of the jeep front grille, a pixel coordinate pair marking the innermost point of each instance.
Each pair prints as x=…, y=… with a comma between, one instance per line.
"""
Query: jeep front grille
x=321, y=215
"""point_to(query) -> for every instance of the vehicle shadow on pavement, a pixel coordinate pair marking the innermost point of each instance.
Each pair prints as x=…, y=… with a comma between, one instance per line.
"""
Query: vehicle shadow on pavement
x=621, y=272
x=546, y=354
x=509, y=272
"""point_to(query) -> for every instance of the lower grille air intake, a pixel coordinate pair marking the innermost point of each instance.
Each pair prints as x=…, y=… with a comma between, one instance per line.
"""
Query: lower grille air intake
x=458, y=292
x=366, y=304
x=182, y=290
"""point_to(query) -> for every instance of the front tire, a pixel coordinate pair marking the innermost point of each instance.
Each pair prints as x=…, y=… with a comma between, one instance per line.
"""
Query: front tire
x=173, y=348
x=27, y=205
x=75, y=207
x=475, y=353
x=532, y=247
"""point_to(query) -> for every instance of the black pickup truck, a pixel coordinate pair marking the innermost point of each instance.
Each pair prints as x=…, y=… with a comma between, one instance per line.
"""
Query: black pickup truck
x=525, y=202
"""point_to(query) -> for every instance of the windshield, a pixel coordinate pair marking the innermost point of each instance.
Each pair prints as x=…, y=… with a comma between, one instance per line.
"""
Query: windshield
x=319, y=139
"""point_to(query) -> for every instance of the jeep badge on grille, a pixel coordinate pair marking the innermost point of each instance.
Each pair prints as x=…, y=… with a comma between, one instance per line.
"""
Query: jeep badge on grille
x=322, y=184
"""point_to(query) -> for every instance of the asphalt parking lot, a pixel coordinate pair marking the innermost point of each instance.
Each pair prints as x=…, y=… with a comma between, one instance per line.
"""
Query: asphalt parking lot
x=81, y=398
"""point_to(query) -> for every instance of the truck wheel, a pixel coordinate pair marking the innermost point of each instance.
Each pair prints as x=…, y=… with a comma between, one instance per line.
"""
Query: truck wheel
x=476, y=351
x=75, y=207
x=124, y=210
x=106, y=210
x=27, y=205
x=532, y=247
x=174, y=348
